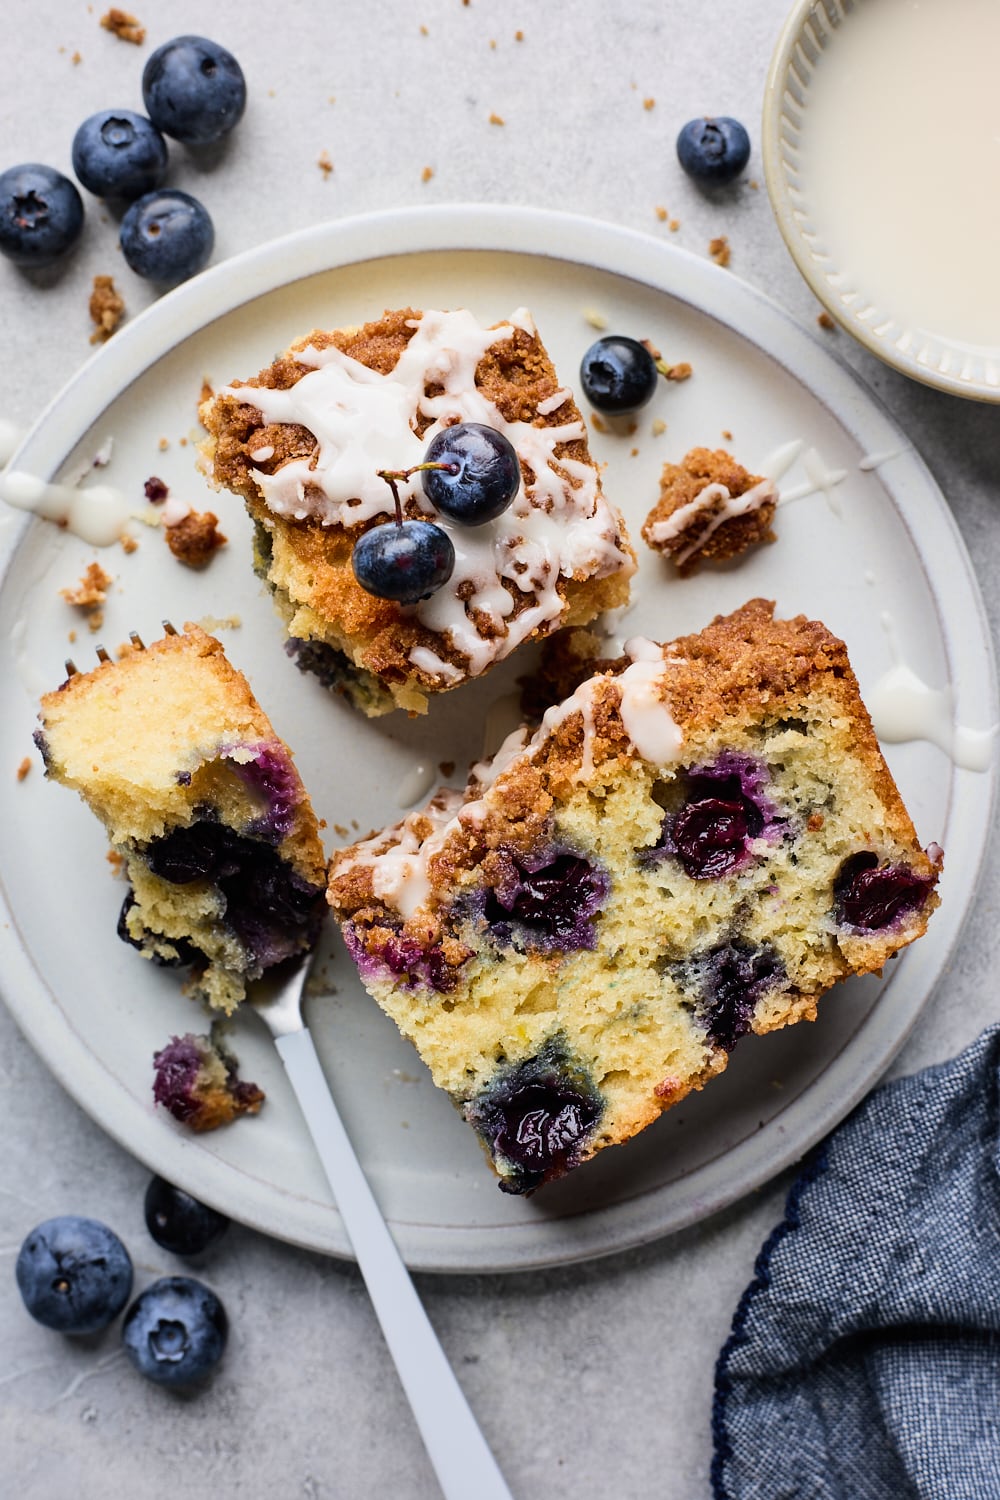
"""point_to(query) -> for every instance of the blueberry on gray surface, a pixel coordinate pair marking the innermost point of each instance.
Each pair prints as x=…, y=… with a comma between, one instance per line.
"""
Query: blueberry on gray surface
x=119, y=154
x=194, y=90
x=74, y=1274
x=178, y=1222
x=175, y=1331
x=872, y=898
x=167, y=236
x=482, y=476
x=618, y=374
x=41, y=214
x=403, y=561
x=713, y=151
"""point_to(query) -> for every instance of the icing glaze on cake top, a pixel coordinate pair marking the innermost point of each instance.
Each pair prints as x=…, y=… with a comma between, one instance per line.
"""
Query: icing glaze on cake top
x=559, y=525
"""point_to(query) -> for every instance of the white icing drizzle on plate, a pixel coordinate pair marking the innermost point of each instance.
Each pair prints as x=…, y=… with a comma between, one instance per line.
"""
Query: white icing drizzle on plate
x=819, y=480
x=98, y=514
x=876, y=460
x=559, y=525
x=416, y=783
x=903, y=707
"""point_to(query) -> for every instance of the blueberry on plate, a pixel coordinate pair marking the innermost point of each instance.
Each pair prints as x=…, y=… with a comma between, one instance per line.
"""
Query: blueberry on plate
x=175, y=1331
x=167, y=236
x=178, y=1222
x=481, y=477
x=618, y=374
x=194, y=90
x=404, y=561
x=713, y=151
x=41, y=214
x=74, y=1274
x=119, y=154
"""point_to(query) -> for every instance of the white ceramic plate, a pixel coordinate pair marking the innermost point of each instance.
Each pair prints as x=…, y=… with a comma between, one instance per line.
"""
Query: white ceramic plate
x=96, y=1012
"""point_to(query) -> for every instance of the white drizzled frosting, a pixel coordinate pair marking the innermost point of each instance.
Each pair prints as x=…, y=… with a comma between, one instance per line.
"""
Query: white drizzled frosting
x=174, y=511
x=903, y=707
x=716, y=505
x=559, y=525
x=98, y=514
x=400, y=859
x=820, y=480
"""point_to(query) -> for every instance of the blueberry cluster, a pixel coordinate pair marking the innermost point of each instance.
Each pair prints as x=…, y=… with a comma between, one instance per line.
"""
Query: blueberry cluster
x=75, y=1276
x=194, y=91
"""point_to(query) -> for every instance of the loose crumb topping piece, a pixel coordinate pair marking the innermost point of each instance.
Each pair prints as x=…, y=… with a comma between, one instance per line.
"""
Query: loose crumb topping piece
x=107, y=308
x=496, y=119
x=719, y=250
x=196, y=539
x=90, y=594
x=324, y=163
x=825, y=321
x=24, y=768
x=427, y=174
x=125, y=27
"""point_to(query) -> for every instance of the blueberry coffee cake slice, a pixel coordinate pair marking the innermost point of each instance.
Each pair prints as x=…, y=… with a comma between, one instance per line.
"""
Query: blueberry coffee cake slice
x=202, y=802
x=696, y=844
x=423, y=500
x=709, y=510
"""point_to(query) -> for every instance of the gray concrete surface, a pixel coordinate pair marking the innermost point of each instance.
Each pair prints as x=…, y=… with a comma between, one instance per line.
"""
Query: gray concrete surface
x=592, y=1382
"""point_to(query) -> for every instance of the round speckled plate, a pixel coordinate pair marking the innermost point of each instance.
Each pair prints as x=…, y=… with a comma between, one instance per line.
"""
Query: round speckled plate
x=881, y=544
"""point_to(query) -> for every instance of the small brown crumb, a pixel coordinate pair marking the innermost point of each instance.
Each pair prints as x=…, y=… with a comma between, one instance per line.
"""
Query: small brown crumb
x=519, y=36
x=633, y=453
x=493, y=45
x=424, y=31
x=681, y=371
x=649, y=103
x=272, y=94
x=496, y=119
x=106, y=308
x=125, y=27
x=659, y=427
x=71, y=637
x=427, y=174
x=825, y=321
x=446, y=767
x=164, y=444
x=753, y=183
x=341, y=831
x=90, y=594
x=324, y=163
x=183, y=442
x=76, y=59
x=116, y=861
x=719, y=250
x=674, y=225
x=206, y=392
x=195, y=540
x=597, y=423
x=727, y=434
x=661, y=213
x=24, y=768
x=129, y=544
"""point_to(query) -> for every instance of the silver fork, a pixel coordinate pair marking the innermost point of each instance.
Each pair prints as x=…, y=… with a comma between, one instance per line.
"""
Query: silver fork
x=459, y=1453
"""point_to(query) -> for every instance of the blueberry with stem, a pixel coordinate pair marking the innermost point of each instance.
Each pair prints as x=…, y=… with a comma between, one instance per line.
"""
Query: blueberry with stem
x=404, y=561
x=473, y=473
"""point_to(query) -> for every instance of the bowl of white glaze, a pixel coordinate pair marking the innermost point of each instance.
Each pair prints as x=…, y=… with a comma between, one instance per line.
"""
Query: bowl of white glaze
x=882, y=160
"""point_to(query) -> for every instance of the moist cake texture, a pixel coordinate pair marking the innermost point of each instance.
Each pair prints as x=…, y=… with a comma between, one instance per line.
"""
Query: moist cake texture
x=697, y=843
x=710, y=509
x=303, y=444
x=202, y=802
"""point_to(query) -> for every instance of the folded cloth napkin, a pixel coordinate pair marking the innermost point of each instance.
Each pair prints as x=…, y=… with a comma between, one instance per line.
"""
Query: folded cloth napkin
x=864, y=1358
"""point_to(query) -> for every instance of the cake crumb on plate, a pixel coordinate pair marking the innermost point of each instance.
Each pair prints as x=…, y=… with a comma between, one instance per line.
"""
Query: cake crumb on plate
x=24, y=768
x=107, y=308
x=125, y=27
x=195, y=539
x=719, y=250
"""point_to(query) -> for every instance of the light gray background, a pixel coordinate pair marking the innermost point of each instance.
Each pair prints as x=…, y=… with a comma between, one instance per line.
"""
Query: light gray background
x=594, y=1382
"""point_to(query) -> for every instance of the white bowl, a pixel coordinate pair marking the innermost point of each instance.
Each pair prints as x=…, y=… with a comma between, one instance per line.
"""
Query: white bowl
x=812, y=33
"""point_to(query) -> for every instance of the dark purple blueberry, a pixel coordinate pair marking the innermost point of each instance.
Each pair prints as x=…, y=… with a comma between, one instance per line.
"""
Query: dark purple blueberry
x=724, y=808
x=405, y=958
x=194, y=90
x=188, y=854
x=119, y=154
x=177, y=1072
x=730, y=980
x=197, y=1079
x=403, y=561
x=271, y=775
x=74, y=1274
x=167, y=236
x=713, y=151
x=179, y=1223
x=482, y=477
x=156, y=490
x=536, y=1119
x=618, y=374
x=546, y=903
x=872, y=897
x=41, y=215
x=175, y=1331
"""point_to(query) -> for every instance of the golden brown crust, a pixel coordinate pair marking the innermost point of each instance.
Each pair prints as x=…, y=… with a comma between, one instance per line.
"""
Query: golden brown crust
x=680, y=484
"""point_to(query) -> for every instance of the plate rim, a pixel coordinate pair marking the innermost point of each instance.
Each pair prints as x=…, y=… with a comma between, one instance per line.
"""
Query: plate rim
x=740, y=308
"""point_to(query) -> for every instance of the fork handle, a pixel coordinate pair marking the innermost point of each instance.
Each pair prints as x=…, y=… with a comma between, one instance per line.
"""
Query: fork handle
x=456, y=1447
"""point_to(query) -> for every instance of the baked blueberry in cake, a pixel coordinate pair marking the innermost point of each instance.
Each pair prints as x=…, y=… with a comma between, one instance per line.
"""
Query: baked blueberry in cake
x=197, y=1079
x=424, y=501
x=202, y=802
x=710, y=509
x=695, y=844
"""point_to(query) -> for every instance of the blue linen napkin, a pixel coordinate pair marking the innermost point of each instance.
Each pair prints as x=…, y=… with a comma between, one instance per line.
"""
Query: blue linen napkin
x=864, y=1358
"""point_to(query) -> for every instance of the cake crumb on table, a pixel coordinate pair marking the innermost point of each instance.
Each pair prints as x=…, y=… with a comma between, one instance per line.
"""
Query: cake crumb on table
x=661, y=213
x=649, y=103
x=76, y=59
x=825, y=321
x=427, y=174
x=719, y=250
x=674, y=225
x=496, y=119
x=519, y=36
x=24, y=768
x=129, y=544
x=659, y=427
x=164, y=444
x=324, y=163
x=196, y=539
x=595, y=319
x=90, y=594
x=107, y=307
x=727, y=434
x=125, y=27
x=213, y=623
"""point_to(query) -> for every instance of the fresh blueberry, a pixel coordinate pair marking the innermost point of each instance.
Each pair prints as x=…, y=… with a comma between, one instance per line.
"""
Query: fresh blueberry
x=405, y=561
x=118, y=154
x=167, y=236
x=194, y=90
x=618, y=374
x=713, y=151
x=74, y=1274
x=175, y=1331
x=482, y=476
x=871, y=898
x=41, y=214
x=178, y=1222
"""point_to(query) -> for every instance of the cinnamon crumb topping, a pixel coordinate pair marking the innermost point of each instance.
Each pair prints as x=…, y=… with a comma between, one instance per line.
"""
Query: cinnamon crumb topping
x=107, y=308
x=24, y=768
x=719, y=250
x=124, y=26
x=195, y=540
x=324, y=163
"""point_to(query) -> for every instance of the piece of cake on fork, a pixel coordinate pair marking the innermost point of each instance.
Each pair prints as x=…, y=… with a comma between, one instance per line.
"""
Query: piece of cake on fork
x=308, y=444
x=696, y=844
x=201, y=801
